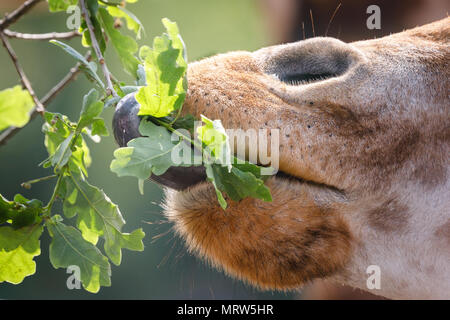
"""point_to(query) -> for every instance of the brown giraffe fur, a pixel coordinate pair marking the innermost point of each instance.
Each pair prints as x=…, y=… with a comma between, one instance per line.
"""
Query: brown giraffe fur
x=370, y=147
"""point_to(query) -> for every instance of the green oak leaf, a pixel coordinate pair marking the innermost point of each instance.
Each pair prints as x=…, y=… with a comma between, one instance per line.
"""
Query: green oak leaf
x=91, y=109
x=119, y=2
x=60, y=5
x=177, y=41
x=141, y=78
x=186, y=122
x=211, y=177
x=257, y=171
x=6, y=209
x=90, y=112
x=146, y=155
x=81, y=158
x=17, y=250
x=63, y=152
x=21, y=212
x=68, y=248
x=58, y=129
x=227, y=174
x=97, y=217
x=133, y=22
x=15, y=107
x=89, y=68
x=239, y=184
x=26, y=212
x=99, y=128
x=237, y=179
x=163, y=91
x=125, y=46
x=236, y=184
x=215, y=139
x=165, y=69
x=129, y=89
x=113, y=101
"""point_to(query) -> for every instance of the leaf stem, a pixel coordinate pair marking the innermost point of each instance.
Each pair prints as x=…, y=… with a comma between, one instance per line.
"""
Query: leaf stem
x=48, y=207
x=177, y=116
x=196, y=144
x=169, y=127
x=41, y=36
x=39, y=179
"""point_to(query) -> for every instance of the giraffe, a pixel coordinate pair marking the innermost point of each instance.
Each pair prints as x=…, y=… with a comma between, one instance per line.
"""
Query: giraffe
x=363, y=170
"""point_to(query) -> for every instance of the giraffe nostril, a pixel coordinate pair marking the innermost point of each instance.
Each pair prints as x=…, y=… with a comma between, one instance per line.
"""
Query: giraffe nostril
x=309, y=61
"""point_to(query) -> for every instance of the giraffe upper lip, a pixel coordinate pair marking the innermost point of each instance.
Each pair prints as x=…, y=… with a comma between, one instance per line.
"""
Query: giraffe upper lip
x=126, y=123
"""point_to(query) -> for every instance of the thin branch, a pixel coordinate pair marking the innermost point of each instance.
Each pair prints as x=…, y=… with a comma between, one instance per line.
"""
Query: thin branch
x=27, y=184
x=11, y=131
x=41, y=36
x=16, y=14
x=23, y=78
x=74, y=71
x=98, y=52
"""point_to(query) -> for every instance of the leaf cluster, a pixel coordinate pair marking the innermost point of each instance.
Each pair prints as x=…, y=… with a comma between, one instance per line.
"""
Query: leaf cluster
x=164, y=141
x=87, y=213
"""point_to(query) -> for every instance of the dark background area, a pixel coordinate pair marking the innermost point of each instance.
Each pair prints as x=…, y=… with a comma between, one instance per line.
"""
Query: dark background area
x=165, y=270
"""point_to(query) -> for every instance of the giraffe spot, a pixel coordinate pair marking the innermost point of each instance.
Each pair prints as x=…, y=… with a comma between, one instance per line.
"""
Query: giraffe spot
x=389, y=216
x=430, y=174
x=443, y=232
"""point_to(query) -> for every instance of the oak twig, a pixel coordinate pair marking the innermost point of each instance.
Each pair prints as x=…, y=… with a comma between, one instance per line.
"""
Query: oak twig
x=98, y=52
x=41, y=36
x=16, y=14
x=51, y=94
x=39, y=107
x=23, y=78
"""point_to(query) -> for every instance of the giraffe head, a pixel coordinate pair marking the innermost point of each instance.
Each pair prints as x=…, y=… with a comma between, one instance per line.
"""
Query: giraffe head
x=364, y=142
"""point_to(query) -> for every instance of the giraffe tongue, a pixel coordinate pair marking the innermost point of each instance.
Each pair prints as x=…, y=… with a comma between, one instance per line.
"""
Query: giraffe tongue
x=180, y=178
x=126, y=127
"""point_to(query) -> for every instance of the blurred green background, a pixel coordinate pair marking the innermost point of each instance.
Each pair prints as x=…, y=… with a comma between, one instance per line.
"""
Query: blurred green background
x=164, y=270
